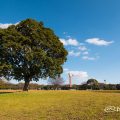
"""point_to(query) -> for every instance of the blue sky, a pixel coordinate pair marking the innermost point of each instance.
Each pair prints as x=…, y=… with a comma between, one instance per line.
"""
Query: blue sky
x=89, y=30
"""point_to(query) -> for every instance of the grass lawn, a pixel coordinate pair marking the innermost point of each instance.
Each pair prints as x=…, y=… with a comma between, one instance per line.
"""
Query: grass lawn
x=59, y=105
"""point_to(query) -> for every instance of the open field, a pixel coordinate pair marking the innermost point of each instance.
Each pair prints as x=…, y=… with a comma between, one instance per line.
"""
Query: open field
x=59, y=105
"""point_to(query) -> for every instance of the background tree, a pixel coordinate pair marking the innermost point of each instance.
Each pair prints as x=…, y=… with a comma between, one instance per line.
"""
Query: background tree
x=118, y=86
x=93, y=84
x=31, y=51
x=56, y=82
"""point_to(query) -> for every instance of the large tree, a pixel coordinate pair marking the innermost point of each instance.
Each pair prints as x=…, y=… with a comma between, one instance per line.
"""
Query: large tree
x=30, y=51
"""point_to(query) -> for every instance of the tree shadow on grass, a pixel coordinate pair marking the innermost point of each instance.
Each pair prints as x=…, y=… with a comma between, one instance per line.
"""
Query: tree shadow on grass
x=107, y=91
x=7, y=92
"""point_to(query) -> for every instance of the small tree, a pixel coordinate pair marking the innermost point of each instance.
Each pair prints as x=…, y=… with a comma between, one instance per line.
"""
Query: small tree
x=56, y=82
x=118, y=86
x=93, y=84
x=29, y=51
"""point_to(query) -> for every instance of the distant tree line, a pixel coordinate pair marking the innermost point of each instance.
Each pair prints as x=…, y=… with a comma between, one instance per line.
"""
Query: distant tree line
x=8, y=85
x=91, y=84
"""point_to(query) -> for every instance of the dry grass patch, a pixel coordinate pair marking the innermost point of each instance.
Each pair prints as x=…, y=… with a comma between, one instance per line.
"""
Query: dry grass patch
x=58, y=105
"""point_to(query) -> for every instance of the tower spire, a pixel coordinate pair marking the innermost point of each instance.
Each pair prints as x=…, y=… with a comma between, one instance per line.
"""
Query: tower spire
x=70, y=80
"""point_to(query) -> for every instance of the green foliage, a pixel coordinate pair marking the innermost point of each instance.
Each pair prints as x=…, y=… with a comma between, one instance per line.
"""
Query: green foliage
x=92, y=84
x=92, y=81
x=118, y=86
x=30, y=51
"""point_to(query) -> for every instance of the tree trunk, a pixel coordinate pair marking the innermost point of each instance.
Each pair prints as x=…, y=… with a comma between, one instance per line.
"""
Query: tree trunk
x=26, y=85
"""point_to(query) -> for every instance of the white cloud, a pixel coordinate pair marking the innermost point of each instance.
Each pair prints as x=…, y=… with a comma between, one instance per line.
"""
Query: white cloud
x=88, y=58
x=85, y=53
x=66, y=69
x=63, y=41
x=68, y=36
x=80, y=74
x=3, y=26
x=73, y=42
x=82, y=48
x=6, y=25
x=64, y=33
x=99, y=42
x=76, y=73
x=70, y=41
x=72, y=53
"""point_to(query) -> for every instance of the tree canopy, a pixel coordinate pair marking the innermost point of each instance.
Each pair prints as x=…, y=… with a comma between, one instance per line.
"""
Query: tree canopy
x=30, y=51
x=93, y=84
x=92, y=81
